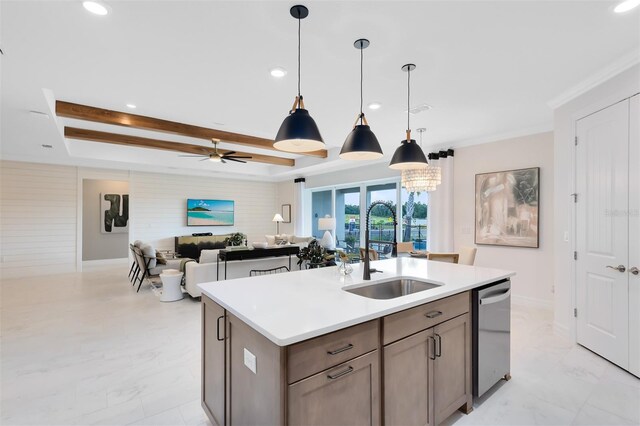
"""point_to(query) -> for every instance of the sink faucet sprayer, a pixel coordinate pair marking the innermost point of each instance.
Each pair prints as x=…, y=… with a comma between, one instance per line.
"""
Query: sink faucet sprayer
x=366, y=274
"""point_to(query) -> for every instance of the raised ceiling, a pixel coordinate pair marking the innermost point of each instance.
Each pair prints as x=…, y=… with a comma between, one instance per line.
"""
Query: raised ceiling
x=487, y=68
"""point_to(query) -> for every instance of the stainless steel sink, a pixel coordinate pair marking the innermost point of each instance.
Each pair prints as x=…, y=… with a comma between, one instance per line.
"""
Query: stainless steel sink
x=392, y=289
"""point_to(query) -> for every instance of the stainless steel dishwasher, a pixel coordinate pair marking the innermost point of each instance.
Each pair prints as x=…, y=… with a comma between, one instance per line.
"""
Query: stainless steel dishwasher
x=491, y=335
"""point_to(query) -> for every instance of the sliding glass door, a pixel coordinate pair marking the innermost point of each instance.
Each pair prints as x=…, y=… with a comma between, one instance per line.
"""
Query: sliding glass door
x=381, y=219
x=414, y=218
x=321, y=206
x=348, y=219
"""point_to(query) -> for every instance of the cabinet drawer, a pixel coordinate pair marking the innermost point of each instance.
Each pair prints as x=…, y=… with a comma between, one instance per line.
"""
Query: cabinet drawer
x=348, y=394
x=405, y=323
x=317, y=354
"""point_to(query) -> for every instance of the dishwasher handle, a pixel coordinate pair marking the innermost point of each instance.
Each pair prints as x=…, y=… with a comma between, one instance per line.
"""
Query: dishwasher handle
x=495, y=299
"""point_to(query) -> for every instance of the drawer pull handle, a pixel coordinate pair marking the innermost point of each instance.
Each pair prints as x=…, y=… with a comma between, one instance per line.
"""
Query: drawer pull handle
x=438, y=346
x=337, y=351
x=433, y=314
x=340, y=374
x=433, y=348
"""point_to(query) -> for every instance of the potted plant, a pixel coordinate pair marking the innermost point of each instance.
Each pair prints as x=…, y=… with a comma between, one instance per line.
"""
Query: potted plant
x=236, y=239
x=314, y=255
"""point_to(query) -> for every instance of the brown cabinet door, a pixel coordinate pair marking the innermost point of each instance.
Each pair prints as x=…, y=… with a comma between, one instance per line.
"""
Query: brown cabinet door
x=452, y=367
x=347, y=394
x=213, y=361
x=407, y=380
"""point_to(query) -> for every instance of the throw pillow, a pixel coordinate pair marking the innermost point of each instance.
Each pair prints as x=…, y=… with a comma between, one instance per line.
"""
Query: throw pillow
x=161, y=260
x=271, y=239
x=149, y=251
x=137, y=243
x=208, y=256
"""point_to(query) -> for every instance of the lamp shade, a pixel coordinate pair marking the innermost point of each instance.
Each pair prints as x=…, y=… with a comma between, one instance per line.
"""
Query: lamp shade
x=361, y=144
x=326, y=223
x=299, y=133
x=277, y=218
x=408, y=155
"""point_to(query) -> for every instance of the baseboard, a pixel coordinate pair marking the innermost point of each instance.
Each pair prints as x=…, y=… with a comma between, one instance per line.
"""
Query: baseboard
x=561, y=330
x=532, y=302
x=104, y=263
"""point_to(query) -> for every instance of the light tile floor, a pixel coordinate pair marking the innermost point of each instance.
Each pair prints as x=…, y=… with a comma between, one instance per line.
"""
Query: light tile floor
x=80, y=349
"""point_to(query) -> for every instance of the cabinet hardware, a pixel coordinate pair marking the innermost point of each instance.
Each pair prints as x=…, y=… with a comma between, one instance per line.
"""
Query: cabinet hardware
x=634, y=270
x=218, y=328
x=340, y=374
x=438, y=345
x=433, y=314
x=432, y=347
x=337, y=351
x=619, y=268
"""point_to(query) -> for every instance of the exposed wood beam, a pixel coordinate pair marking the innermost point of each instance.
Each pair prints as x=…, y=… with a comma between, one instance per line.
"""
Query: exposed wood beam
x=137, y=141
x=100, y=115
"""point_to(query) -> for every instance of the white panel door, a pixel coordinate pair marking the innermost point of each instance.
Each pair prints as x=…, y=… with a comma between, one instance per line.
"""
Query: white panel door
x=602, y=232
x=634, y=235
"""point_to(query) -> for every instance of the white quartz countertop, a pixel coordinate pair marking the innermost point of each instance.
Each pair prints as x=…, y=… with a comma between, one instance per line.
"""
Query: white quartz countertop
x=292, y=307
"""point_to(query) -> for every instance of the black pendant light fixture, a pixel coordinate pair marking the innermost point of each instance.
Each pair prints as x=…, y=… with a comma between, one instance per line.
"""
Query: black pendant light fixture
x=361, y=143
x=298, y=132
x=408, y=155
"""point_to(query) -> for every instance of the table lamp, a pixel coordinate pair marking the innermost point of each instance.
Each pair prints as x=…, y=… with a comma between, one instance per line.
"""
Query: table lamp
x=327, y=224
x=277, y=219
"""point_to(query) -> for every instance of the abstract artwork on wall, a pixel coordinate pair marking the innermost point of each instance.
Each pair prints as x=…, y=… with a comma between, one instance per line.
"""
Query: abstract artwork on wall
x=507, y=208
x=114, y=213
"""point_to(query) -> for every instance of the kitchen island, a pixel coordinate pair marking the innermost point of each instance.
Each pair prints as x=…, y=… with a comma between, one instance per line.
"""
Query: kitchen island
x=301, y=348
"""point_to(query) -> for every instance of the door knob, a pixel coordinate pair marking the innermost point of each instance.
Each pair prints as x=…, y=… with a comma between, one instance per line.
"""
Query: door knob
x=634, y=270
x=619, y=268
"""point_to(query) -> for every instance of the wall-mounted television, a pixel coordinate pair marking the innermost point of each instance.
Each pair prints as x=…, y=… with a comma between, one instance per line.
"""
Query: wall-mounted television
x=210, y=212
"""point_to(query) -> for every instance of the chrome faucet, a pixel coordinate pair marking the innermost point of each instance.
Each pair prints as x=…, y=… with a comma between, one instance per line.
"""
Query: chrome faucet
x=366, y=274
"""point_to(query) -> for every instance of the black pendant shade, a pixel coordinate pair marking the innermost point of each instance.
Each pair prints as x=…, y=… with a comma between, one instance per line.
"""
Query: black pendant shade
x=408, y=155
x=299, y=133
x=361, y=144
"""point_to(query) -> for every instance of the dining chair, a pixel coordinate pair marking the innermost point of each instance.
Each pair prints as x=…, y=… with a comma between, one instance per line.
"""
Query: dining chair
x=373, y=255
x=467, y=255
x=406, y=247
x=444, y=257
x=133, y=271
x=278, y=270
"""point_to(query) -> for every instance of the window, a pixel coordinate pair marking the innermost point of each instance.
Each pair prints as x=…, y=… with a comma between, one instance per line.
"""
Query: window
x=348, y=219
x=321, y=206
x=381, y=219
x=414, y=218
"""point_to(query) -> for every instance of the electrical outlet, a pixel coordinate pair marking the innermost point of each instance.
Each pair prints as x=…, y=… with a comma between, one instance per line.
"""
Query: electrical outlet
x=250, y=360
x=566, y=236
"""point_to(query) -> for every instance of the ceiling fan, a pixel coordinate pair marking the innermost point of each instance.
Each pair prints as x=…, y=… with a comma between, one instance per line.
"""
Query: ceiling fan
x=217, y=157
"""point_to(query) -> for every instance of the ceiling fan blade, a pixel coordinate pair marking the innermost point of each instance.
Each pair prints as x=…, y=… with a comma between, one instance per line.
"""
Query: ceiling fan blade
x=236, y=156
x=223, y=162
x=191, y=155
x=237, y=161
x=205, y=159
x=230, y=153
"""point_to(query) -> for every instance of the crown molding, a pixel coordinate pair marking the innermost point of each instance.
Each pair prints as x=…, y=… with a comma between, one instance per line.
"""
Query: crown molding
x=616, y=67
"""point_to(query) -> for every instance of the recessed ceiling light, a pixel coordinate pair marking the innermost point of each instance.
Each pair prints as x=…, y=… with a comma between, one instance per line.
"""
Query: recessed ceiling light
x=278, y=72
x=95, y=7
x=375, y=105
x=626, y=6
x=132, y=106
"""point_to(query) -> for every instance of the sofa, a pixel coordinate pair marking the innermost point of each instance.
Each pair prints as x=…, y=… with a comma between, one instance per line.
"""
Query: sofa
x=204, y=270
x=191, y=246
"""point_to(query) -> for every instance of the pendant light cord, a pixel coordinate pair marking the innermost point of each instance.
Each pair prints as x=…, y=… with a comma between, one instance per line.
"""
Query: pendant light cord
x=408, y=97
x=361, y=79
x=299, y=24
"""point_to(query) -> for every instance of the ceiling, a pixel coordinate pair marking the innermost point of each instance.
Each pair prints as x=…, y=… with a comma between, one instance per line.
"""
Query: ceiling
x=487, y=68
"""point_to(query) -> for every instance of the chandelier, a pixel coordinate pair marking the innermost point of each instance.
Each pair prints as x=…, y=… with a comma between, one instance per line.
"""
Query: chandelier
x=424, y=179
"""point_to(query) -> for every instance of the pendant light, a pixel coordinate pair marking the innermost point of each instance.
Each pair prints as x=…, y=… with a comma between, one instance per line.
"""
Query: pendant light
x=298, y=132
x=361, y=143
x=408, y=155
x=424, y=179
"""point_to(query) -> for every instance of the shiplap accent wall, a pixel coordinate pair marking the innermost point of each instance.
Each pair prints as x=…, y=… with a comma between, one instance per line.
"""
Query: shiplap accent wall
x=39, y=212
x=159, y=204
x=37, y=219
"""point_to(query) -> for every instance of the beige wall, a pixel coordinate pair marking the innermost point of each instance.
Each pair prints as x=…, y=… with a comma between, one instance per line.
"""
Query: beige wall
x=533, y=283
x=286, y=196
x=95, y=244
